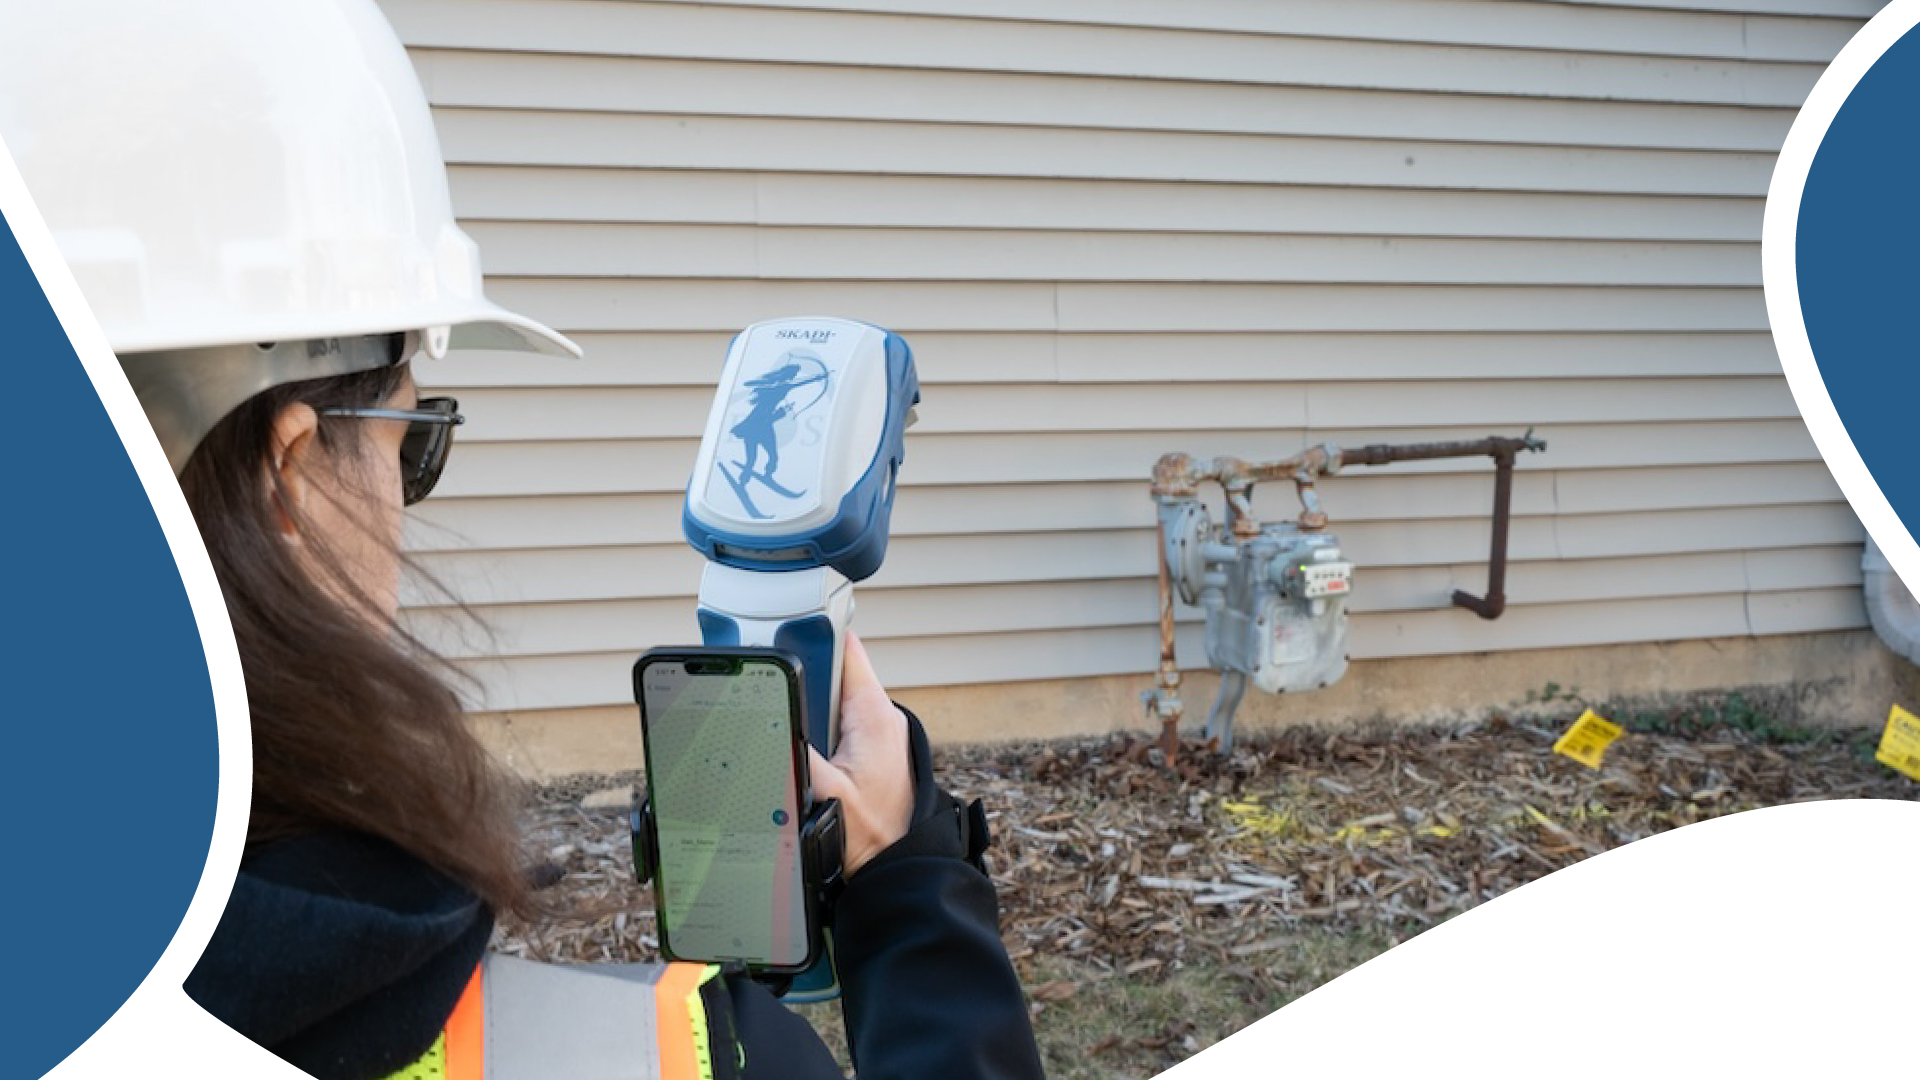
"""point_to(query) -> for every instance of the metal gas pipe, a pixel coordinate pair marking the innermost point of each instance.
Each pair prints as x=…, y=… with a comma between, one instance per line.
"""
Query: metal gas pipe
x=1275, y=594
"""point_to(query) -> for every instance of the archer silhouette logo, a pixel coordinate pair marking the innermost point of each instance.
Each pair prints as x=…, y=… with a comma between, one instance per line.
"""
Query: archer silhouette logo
x=774, y=402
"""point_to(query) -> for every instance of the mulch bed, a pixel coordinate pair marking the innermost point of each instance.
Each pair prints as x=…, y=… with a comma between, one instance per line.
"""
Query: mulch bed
x=1106, y=855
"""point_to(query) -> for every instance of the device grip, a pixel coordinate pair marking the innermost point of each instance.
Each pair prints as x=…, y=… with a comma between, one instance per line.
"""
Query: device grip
x=822, y=649
x=745, y=607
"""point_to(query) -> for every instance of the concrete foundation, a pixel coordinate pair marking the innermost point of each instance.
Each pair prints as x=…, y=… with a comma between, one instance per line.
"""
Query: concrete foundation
x=1833, y=679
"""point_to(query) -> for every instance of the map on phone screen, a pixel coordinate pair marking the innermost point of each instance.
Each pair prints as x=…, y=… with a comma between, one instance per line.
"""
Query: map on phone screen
x=722, y=783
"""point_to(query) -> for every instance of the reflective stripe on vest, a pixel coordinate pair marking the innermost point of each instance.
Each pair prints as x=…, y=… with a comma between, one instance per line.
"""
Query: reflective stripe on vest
x=519, y=1020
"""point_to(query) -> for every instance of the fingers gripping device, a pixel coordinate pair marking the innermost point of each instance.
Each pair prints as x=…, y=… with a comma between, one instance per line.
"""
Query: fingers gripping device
x=790, y=500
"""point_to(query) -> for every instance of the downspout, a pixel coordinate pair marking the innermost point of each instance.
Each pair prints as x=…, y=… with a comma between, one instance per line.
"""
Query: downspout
x=1890, y=607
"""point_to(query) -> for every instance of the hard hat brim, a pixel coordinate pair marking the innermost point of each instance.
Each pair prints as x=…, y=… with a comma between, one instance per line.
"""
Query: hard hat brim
x=503, y=330
x=475, y=324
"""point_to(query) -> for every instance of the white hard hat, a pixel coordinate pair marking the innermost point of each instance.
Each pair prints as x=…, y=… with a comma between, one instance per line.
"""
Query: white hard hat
x=227, y=172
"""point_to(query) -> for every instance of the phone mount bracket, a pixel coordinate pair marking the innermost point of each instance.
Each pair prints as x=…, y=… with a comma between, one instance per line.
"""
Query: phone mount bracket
x=823, y=847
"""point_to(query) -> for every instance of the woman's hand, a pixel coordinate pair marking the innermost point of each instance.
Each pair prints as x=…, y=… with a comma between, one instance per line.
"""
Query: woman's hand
x=871, y=772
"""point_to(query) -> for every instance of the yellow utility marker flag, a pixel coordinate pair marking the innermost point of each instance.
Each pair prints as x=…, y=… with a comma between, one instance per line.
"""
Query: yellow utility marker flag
x=1900, y=746
x=1588, y=739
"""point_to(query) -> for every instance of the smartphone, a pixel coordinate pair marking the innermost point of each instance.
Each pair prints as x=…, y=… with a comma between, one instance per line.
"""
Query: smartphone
x=725, y=740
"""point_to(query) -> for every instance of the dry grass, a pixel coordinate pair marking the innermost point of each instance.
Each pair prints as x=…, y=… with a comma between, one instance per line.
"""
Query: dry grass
x=1152, y=911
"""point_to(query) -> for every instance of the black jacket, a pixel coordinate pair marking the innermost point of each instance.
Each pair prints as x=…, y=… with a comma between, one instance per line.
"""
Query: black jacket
x=345, y=956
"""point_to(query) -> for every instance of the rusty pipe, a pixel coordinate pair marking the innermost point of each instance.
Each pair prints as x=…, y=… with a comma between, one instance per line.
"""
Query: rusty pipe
x=1164, y=698
x=1493, y=447
x=1502, y=450
x=1240, y=519
x=1307, y=464
x=1495, y=601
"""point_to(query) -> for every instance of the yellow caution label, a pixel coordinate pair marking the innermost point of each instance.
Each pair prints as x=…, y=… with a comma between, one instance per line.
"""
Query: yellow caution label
x=1900, y=746
x=1588, y=739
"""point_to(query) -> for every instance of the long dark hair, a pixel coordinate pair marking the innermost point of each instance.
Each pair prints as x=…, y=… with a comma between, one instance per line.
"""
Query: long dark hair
x=354, y=726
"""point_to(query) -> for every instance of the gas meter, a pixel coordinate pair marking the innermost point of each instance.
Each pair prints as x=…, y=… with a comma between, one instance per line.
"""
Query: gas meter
x=1275, y=602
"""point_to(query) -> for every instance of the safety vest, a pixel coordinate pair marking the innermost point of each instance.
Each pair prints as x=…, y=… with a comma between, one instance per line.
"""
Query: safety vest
x=520, y=1020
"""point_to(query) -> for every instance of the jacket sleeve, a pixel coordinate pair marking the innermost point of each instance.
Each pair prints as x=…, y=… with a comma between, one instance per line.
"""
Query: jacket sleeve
x=928, y=988
x=774, y=1042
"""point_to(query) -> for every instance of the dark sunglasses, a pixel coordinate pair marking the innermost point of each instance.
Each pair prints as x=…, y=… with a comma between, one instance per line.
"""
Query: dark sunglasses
x=424, y=448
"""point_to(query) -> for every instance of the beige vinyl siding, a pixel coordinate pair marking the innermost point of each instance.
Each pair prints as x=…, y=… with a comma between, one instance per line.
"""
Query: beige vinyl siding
x=1112, y=229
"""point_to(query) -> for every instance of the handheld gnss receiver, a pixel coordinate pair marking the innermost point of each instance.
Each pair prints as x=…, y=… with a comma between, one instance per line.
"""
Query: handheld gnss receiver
x=790, y=500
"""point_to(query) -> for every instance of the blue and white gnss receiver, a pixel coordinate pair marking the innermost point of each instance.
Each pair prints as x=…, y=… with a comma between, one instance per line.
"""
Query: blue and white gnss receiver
x=790, y=501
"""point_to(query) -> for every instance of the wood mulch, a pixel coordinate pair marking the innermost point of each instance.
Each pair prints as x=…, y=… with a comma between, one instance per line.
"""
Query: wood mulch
x=1105, y=855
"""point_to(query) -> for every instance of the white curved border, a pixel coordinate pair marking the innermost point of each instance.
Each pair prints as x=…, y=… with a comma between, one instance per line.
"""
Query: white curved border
x=1770, y=943
x=1777, y=258
x=158, y=1017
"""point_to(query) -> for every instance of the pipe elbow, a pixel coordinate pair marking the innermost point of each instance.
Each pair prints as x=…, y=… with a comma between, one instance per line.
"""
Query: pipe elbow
x=1891, y=607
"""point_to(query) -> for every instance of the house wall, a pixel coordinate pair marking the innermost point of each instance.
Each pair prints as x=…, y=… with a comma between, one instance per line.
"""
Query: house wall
x=1114, y=229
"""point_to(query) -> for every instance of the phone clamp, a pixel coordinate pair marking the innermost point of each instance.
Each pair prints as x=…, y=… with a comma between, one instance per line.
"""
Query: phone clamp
x=823, y=844
x=823, y=847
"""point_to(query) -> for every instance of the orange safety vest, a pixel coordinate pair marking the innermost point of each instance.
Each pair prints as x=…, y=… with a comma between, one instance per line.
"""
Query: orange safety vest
x=519, y=1020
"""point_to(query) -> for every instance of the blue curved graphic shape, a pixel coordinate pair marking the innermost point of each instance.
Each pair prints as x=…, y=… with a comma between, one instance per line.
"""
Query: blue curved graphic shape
x=112, y=753
x=1857, y=263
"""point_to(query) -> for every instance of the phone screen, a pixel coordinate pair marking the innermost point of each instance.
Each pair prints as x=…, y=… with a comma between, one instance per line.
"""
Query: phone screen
x=723, y=773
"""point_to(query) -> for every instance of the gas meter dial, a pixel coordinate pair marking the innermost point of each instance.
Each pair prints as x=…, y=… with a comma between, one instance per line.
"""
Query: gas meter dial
x=1320, y=579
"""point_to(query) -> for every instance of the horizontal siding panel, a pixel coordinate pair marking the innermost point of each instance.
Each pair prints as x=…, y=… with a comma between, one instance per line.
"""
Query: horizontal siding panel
x=1374, y=495
x=1666, y=29
x=569, y=193
x=546, y=415
x=1812, y=568
x=1717, y=529
x=694, y=359
x=1223, y=357
x=600, y=304
x=1807, y=611
x=1575, y=581
x=915, y=562
x=674, y=360
x=611, y=305
x=1319, y=307
x=642, y=196
x=1818, y=40
x=662, y=465
x=1833, y=8
x=598, y=521
x=1617, y=490
x=664, y=413
x=891, y=41
x=1606, y=622
x=604, y=678
x=799, y=254
x=1413, y=402
x=575, y=83
x=811, y=199
x=550, y=576
x=535, y=137
x=561, y=628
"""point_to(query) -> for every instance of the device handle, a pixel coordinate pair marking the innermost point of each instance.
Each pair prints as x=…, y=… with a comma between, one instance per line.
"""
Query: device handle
x=803, y=612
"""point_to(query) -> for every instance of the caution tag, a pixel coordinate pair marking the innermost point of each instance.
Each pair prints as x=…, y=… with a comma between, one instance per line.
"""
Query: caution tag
x=1900, y=746
x=1588, y=739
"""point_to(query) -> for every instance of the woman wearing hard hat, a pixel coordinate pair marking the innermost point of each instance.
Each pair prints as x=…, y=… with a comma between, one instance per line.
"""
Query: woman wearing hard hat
x=252, y=199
